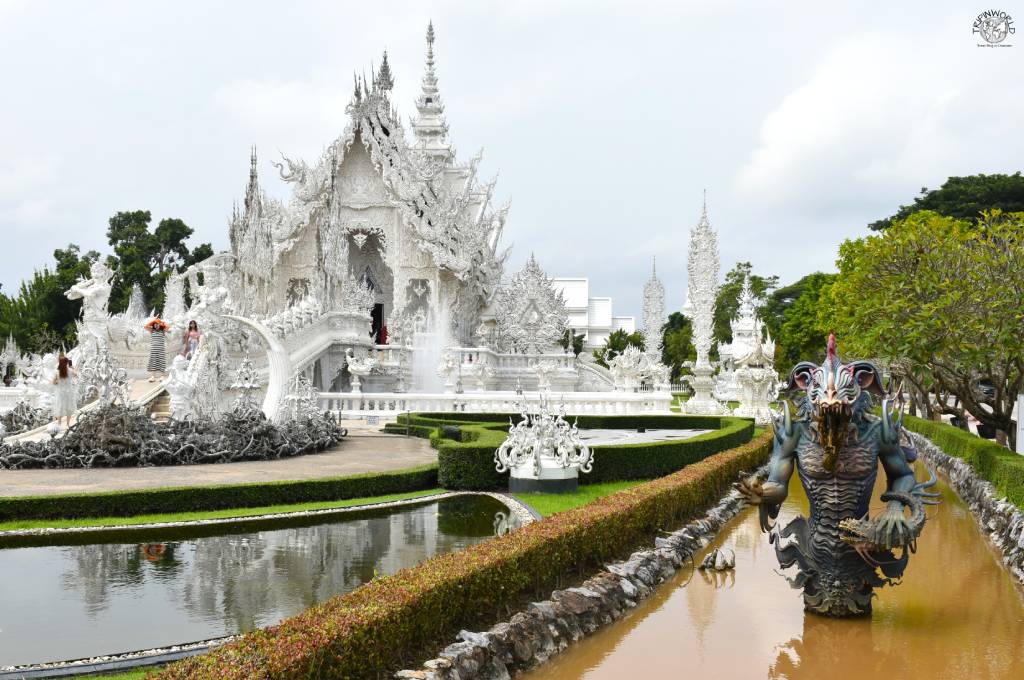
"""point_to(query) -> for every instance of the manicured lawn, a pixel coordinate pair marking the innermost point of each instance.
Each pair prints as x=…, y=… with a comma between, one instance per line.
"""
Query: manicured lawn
x=550, y=503
x=127, y=675
x=210, y=514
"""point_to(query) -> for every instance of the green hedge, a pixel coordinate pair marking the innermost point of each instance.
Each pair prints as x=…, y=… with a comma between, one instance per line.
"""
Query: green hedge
x=397, y=619
x=469, y=464
x=992, y=461
x=221, y=497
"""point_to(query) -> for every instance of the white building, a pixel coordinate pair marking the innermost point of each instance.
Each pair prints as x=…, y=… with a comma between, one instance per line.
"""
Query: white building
x=591, y=316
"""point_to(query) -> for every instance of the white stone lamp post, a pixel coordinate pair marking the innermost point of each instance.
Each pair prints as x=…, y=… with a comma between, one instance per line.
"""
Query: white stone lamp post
x=543, y=453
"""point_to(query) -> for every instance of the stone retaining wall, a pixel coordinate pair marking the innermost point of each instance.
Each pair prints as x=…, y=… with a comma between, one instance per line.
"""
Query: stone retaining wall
x=545, y=628
x=1001, y=520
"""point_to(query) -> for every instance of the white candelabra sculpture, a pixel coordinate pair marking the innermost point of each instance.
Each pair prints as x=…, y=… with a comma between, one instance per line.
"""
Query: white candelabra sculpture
x=543, y=453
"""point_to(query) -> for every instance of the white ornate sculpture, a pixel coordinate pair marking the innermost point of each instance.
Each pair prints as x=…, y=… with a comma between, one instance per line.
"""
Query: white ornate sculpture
x=702, y=266
x=543, y=452
x=530, y=312
x=301, y=402
x=653, y=314
x=246, y=384
x=746, y=334
x=446, y=370
x=102, y=378
x=544, y=370
x=759, y=385
x=174, y=311
x=180, y=389
x=359, y=368
x=94, y=293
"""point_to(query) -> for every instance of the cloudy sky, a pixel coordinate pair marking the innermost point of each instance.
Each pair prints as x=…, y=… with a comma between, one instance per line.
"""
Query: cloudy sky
x=604, y=121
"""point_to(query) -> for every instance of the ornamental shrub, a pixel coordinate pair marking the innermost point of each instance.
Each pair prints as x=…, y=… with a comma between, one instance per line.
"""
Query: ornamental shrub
x=220, y=497
x=991, y=461
x=469, y=464
x=399, y=619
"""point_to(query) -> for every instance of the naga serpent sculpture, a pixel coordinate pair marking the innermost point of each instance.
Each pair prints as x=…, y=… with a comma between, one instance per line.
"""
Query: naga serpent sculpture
x=841, y=554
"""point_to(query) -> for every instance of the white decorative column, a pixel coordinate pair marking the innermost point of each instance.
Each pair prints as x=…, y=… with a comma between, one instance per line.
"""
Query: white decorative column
x=653, y=322
x=703, y=287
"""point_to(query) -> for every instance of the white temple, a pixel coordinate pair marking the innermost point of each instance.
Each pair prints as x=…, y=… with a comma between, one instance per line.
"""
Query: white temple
x=747, y=331
x=380, y=282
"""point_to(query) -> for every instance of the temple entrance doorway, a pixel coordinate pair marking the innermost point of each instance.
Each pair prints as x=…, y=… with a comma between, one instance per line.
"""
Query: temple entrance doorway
x=377, y=323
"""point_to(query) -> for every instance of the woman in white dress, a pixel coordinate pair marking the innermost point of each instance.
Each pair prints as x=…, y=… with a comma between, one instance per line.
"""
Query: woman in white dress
x=65, y=394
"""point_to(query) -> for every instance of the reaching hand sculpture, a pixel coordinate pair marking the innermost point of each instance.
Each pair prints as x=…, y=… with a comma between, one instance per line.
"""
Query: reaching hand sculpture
x=836, y=445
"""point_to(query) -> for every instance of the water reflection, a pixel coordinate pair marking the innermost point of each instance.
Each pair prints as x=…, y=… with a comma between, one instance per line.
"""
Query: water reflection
x=957, y=614
x=69, y=602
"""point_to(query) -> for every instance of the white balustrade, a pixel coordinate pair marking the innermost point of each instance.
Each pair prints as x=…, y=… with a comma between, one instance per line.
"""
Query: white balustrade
x=576, y=403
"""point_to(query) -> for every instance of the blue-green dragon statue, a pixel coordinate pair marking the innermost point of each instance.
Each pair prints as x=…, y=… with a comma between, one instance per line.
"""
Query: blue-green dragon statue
x=836, y=445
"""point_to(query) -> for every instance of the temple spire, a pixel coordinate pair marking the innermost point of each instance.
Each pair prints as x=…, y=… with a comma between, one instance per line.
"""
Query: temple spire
x=252, y=191
x=430, y=127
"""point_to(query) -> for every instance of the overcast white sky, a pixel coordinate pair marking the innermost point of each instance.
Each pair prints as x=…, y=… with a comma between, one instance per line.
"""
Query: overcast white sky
x=804, y=121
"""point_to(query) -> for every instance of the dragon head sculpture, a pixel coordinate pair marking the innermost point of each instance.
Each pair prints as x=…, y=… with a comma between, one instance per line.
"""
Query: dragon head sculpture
x=834, y=394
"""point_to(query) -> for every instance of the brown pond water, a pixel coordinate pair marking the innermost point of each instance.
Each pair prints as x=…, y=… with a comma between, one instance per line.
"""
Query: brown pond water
x=957, y=614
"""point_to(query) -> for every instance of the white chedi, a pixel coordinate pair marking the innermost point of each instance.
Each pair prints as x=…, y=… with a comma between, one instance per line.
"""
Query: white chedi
x=759, y=385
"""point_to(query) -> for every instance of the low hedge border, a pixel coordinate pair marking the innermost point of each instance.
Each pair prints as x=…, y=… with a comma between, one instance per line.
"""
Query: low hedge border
x=469, y=464
x=991, y=461
x=220, y=497
x=397, y=619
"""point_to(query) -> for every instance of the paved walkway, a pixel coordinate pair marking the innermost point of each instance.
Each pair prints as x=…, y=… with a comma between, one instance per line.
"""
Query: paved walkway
x=364, y=450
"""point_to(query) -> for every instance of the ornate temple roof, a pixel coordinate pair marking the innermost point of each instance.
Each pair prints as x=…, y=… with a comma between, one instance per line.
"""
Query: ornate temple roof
x=442, y=202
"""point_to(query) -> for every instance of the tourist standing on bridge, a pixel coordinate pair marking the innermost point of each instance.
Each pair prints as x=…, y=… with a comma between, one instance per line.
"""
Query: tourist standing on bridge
x=65, y=394
x=157, y=349
x=192, y=336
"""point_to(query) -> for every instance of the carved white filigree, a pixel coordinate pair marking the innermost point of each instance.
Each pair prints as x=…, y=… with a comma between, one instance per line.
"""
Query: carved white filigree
x=530, y=312
x=702, y=267
x=543, y=439
x=653, y=313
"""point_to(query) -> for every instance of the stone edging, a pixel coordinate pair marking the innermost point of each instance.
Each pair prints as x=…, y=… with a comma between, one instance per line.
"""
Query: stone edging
x=544, y=629
x=127, y=660
x=1000, y=519
x=523, y=513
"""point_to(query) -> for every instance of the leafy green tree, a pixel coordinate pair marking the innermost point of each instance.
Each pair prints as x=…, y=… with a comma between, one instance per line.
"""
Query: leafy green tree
x=572, y=340
x=941, y=300
x=965, y=198
x=727, y=299
x=791, y=316
x=147, y=257
x=616, y=344
x=677, y=344
x=40, y=317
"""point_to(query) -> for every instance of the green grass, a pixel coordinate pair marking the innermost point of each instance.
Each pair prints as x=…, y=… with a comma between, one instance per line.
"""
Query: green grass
x=136, y=674
x=209, y=514
x=550, y=503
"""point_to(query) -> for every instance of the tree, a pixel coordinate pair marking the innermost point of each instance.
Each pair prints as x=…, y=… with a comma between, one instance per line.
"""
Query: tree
x=942, y=301
x=40, y=317
x=791, y=316
x=677, y=344
x=572, y=340
x=616, y=344
x=727, y=299
x=147, y=257
x=965, y=198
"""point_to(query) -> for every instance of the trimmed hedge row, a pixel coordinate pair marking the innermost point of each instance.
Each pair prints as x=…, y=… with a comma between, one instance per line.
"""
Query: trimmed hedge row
x=395, y=620
x=469, y=464
x=221, y=497
x=992, y=461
